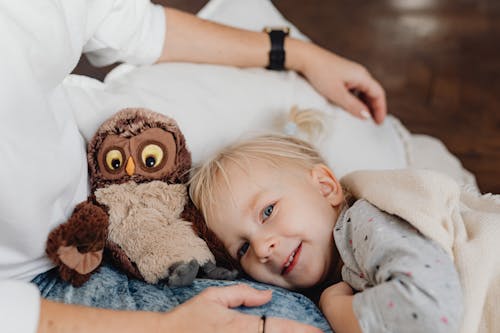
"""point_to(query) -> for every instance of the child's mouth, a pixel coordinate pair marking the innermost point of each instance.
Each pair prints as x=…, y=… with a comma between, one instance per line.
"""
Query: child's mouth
x=292, y=260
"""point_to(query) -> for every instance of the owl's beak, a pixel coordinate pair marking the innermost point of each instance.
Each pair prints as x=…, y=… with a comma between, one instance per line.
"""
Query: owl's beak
x=130, y=167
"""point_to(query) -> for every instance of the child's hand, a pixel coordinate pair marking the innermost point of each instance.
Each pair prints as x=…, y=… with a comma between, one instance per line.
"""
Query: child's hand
x=330, y=295
x=336, y=304
x=338, y=289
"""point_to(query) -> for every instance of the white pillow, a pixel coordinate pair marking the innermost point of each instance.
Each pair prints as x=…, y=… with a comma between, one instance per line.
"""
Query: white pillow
x=215, y=105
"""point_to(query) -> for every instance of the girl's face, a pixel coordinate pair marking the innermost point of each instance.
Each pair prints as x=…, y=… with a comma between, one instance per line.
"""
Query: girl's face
x=278, y=222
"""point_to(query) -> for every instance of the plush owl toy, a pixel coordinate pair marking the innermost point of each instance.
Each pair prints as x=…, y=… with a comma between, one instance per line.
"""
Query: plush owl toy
x=139, y=213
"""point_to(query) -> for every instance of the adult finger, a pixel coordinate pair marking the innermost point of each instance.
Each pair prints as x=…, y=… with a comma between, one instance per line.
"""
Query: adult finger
x=350, y=102
x=373, y=95
x=238, y=295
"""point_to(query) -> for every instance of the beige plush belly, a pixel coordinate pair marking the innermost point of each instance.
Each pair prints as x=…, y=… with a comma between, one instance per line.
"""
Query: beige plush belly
x=145, y=222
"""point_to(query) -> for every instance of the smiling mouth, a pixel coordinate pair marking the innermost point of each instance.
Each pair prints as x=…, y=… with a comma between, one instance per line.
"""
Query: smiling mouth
x=291, y=260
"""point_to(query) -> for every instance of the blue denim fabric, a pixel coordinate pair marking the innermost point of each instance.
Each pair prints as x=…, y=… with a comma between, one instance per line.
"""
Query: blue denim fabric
x=109, y=288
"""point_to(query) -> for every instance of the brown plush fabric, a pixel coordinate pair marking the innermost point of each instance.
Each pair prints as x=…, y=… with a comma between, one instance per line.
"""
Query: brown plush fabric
x=145, y=222
x=222, y=257
x=86, y=229
x=119, y=258
x=145, y=235
x=82, y=263
x=130, y=122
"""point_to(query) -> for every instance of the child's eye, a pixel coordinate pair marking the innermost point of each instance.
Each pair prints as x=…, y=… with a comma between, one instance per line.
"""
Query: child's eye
x=267, y=212
x=243, y=249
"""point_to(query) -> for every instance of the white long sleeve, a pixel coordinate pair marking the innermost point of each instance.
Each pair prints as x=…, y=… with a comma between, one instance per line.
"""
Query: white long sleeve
x=43, y=169
x=129, y=31
x=19, y=307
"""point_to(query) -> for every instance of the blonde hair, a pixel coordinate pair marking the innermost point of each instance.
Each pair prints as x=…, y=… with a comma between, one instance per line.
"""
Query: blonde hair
x=307, y=124
x=211, y=177
x=272, y=148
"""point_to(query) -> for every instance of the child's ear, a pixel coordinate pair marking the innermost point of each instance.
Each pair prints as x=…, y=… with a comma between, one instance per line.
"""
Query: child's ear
x=328, y=184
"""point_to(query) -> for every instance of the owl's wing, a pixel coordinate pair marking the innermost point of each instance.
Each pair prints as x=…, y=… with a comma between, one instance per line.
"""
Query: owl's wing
x=76, y=246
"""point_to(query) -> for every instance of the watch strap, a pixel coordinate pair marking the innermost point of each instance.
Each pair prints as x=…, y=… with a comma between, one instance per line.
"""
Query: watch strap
x=277, y=51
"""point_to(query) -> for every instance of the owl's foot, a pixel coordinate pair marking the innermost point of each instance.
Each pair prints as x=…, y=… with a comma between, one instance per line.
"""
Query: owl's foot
x=182, y=273
x=211, y=271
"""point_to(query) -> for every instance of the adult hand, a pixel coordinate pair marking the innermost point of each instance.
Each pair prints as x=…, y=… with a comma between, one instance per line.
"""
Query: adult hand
x=210, y=311
x=344, y=82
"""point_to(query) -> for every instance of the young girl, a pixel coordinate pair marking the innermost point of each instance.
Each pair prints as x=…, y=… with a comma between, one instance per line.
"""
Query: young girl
x=280, y=214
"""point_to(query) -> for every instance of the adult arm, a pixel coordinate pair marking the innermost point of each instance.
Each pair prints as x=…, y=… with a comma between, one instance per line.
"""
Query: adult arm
x=210, y=311
x=192, y=39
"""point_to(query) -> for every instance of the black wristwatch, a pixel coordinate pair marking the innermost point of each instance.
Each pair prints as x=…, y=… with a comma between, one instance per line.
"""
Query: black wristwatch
x=277, y=53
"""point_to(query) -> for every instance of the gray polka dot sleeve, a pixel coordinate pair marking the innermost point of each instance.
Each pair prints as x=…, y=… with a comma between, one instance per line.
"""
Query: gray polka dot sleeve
x=406, y=282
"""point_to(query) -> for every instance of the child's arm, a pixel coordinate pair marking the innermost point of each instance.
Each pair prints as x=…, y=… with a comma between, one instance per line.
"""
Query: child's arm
x=336, y=305
x=406, y=282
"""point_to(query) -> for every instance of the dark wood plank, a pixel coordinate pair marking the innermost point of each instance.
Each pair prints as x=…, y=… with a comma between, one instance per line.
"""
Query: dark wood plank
x=438, y=60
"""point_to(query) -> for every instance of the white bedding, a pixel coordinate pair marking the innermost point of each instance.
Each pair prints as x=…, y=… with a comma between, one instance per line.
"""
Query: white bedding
x=215, y=105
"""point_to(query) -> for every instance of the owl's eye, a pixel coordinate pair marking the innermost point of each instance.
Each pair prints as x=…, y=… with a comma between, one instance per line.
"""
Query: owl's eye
x=152, y=155
x=114, y=159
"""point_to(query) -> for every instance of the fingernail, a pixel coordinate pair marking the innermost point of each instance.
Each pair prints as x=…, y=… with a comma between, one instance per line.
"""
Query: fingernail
x=365, y=114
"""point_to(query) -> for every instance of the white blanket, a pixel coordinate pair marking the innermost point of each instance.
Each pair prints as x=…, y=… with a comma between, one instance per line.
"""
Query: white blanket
x=465, y=224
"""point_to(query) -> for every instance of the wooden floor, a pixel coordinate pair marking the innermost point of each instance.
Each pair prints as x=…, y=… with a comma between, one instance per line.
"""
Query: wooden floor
x=439, y=61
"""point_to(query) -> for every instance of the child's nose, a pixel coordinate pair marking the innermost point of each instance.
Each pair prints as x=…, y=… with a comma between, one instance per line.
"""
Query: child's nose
x=264, y=248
